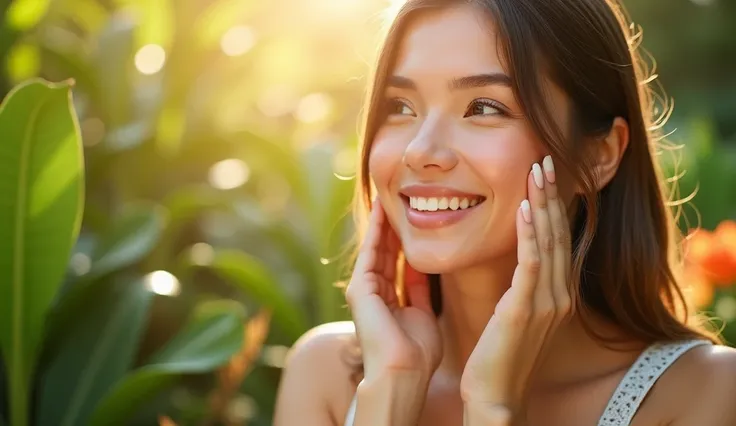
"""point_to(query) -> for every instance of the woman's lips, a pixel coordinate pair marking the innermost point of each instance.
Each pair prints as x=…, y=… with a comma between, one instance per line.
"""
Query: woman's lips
x=435, y=219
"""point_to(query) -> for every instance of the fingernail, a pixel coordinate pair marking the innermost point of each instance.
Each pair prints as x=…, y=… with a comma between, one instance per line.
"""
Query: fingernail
x=526, y=211
x=538, y=178
x=549, y=168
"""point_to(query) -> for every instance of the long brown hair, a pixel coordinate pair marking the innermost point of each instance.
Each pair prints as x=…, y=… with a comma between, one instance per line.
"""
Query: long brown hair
x=625, y=236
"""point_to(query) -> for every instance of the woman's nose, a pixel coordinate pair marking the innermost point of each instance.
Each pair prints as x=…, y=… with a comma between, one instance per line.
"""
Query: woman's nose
x=430, y=149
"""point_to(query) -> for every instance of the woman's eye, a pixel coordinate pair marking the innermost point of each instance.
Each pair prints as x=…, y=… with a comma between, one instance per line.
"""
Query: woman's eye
x=483, y=107
x=399, y=107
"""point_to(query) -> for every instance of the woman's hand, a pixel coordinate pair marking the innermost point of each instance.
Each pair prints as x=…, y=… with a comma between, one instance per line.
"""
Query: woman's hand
x=393, y=339
x=513, y=343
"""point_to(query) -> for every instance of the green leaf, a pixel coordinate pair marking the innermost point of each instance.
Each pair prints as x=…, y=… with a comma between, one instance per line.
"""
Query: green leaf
x=204, y=345
x=281, y=160
x=98, y=352
x=188, y=202
x=41, y=189
x=130, y=239
x=250, y=276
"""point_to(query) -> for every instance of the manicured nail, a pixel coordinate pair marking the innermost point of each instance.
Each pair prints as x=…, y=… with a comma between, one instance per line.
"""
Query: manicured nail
x=526, y=211
x=549, y=168
x=538, y=177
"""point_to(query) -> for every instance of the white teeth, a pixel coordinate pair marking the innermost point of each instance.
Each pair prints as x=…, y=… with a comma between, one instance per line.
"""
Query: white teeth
x=454, y=203
x=433, y=204
x=422, y=204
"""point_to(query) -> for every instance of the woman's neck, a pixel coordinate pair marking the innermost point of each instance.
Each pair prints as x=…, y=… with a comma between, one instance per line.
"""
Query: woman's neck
x=469, y=300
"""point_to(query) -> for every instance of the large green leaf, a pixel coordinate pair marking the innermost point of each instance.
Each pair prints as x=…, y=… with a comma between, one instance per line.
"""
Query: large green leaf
x=129, y=240
x=98, y=352
x=250, y=276
x=206, y=343
x=41, y=193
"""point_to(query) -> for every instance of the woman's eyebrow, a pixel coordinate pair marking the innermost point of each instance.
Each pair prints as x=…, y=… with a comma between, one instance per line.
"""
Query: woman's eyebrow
x=460, y=83
x=481, y=80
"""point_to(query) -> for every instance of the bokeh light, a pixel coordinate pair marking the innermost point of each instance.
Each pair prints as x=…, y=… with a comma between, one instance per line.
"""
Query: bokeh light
x=313, y=108
x=150, y=59
x=275, y=355
x=163, y=283
x=93, y=131
x=237, y=40
x=80, y=263
x=344, y=163
x=229, y=174
x=201, y=254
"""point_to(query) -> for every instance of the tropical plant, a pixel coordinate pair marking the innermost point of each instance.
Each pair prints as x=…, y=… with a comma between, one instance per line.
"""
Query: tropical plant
x=70, y=351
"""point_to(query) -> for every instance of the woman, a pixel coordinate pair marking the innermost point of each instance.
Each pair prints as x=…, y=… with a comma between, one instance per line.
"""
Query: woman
x=511, y=146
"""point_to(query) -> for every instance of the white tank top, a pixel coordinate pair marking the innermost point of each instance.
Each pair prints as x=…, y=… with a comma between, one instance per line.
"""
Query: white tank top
x=632, y=389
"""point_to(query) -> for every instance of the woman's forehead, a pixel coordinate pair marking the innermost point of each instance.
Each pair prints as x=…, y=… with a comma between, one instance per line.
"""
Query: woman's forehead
x=454, y=42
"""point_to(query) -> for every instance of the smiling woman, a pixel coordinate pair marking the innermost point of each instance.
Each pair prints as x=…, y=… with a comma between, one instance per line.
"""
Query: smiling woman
x=518, y=267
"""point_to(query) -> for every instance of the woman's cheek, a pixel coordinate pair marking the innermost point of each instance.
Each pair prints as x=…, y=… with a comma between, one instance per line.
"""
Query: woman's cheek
x=384, y=160
x=503, y=163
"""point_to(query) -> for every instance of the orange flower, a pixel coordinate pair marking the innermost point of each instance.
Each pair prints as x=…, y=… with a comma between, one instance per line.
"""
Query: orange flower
x=726, y=234
x=697, y=288
x=714, y=253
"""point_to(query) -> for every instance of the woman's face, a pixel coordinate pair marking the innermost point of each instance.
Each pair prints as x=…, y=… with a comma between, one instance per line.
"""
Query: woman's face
x=451, y=160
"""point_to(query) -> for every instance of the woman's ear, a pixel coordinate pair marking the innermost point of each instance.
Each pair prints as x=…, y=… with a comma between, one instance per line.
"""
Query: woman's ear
x=609, y=151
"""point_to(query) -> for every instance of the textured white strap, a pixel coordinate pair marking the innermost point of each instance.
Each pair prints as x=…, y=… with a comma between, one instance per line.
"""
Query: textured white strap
x=350, y=418
x=640, y=378
x=635, y=385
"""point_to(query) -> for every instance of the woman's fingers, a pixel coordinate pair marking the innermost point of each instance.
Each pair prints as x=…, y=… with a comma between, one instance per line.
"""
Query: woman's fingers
x=367, y=263
x=543, y=295
x=516, y=305
x=369, y=246
x=366, y=293
x=561, y=237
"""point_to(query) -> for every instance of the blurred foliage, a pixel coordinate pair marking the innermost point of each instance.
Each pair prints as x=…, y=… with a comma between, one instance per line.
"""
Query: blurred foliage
x=219, y=145
x=67, y=354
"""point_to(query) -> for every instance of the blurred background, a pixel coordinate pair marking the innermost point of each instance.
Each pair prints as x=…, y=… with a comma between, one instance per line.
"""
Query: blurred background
x=220, y=146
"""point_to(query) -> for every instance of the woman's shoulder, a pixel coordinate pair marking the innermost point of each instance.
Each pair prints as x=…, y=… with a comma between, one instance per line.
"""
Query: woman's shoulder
x=700, y=387
x=318, y=373
x=327, y=346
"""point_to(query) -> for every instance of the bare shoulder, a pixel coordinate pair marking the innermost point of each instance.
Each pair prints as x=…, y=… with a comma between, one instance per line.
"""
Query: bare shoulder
x=316, y=385
x=699, y=389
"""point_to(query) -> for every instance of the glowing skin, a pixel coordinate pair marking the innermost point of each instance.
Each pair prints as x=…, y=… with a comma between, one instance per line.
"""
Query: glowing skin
x=453, y=125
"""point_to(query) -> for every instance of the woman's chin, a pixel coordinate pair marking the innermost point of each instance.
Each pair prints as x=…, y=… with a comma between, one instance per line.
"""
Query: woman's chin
x=434, y=263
